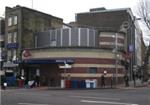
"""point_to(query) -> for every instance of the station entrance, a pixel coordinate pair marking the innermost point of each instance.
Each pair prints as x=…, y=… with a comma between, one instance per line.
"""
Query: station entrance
x=49, y=74
x=47, y=69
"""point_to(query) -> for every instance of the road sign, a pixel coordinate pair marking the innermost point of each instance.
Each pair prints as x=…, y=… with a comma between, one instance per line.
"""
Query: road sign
x=126, y=25
x=66, y=66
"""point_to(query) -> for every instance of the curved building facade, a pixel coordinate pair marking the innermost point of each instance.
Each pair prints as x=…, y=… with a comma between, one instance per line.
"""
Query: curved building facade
x=88, y=53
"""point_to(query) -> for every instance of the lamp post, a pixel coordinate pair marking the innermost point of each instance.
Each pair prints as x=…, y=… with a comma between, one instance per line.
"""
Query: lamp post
x=123, y=28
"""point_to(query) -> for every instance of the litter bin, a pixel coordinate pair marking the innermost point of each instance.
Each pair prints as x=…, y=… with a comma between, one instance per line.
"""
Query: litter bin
x=63, y=83
x=82, y=84
x=74, y=84
x=20, y=83
x=68, y=84
x=91, y=83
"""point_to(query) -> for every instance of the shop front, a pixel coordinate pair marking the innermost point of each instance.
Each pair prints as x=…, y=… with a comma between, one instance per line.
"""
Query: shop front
x=48, y=71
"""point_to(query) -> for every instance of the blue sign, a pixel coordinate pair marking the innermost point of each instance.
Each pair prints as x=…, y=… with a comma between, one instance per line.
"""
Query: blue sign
x=131, y=48
x=49, y=61
x=12, y=45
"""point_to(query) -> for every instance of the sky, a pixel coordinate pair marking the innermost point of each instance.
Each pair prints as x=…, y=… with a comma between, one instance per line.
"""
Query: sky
x=66, y=9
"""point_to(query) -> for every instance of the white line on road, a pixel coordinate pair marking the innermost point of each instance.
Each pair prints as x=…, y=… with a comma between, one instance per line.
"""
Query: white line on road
x=104, y=98
x=106, y=102
x=31, y=104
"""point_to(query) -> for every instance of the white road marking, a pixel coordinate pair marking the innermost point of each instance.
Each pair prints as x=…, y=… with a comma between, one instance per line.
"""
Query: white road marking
x=106, y=102
x=31, y=104
x=104, y=98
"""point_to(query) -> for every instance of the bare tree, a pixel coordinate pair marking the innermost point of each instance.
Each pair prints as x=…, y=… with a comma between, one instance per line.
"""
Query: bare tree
x=144, y=12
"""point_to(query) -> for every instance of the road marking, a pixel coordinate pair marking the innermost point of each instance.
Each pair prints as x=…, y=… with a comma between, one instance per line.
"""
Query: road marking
x=104, y=98
x=31, y=104
x=106, y=102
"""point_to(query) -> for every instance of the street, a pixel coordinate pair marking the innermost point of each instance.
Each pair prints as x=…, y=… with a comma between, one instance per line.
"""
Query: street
x=134, y=96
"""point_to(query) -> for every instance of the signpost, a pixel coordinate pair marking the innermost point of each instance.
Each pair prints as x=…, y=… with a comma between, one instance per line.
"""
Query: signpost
x=65, y=67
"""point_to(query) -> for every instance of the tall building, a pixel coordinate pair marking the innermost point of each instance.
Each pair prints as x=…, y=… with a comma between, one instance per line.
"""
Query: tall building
x=113, y=20
x=21, y=25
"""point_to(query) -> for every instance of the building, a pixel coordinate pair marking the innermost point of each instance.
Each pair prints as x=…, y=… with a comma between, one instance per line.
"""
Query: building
x=118, y=18
x=79, y=49
x=149, y=67
x=21, y=25
x=91, y=47
x=96, y=46
x=2, y=32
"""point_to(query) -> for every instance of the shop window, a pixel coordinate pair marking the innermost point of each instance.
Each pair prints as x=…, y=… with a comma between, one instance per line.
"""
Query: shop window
x=14, y=55
x=9, y=55
x=92, y=70
x=15, y=37
x=9, y=37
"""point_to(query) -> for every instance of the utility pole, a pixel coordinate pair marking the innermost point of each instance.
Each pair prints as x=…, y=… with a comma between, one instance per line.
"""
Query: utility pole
x=116, y=57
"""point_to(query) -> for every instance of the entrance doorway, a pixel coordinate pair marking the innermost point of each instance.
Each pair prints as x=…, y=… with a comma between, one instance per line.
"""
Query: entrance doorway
x=50, y=75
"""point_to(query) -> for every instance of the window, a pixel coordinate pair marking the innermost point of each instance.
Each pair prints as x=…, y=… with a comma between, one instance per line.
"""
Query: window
x=92, y=70
x=15, y=37
x=53, y=38
x=14, y=55
x=9, y=55
x=10, y=21
x=53, y=43
x=15, y=20
x=9, y=37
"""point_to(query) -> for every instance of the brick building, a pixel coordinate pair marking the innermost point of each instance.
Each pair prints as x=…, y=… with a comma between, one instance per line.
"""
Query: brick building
x=21, y=25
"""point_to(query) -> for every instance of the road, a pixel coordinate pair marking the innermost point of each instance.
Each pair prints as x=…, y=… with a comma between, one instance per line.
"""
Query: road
x=135, y=96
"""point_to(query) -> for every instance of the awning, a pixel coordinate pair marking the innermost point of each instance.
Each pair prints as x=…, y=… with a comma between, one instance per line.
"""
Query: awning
x=9, y=64
x=48, y=61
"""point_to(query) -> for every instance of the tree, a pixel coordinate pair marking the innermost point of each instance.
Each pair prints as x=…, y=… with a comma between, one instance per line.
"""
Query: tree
x=144, y=12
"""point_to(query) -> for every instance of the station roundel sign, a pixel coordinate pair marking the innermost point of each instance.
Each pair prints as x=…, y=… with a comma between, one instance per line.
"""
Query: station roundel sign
x=126, y=24
x=26, y=53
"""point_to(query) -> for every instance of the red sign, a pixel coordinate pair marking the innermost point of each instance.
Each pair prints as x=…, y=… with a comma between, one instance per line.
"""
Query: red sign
x=127, y=55
x=26, y=53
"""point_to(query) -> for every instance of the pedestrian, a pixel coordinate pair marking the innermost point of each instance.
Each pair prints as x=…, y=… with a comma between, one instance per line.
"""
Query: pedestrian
x=111, y=81
x=102, y=81
x=37, y=80
x=3, y=82
x=126, y=78
x=52, y=82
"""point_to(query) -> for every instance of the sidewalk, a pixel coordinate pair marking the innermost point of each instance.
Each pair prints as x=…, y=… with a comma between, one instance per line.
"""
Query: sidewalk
x=132, y=85
x=139, y=84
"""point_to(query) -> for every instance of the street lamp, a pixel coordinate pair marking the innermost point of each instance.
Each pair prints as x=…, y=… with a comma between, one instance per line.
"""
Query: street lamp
x=115, y=50
x=123, y=28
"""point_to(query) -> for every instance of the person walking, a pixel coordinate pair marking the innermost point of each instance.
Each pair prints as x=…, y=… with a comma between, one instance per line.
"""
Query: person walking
x=37, y=80
x=102, y=81
x=126, y=78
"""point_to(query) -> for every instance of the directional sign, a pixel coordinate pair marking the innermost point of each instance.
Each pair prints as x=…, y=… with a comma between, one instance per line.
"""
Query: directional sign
x=66, y=66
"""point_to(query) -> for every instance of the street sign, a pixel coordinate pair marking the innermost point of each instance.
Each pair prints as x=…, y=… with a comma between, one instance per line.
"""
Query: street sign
x=131, y=48
x=66, y=66
x=125, y=25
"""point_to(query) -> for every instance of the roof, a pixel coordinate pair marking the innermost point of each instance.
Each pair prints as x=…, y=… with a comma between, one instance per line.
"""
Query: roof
x=107, y=10
x=109, y=19
x=33, y=10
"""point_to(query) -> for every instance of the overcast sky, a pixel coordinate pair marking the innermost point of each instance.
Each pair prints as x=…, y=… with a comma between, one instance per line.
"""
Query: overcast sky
x=66, y=9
